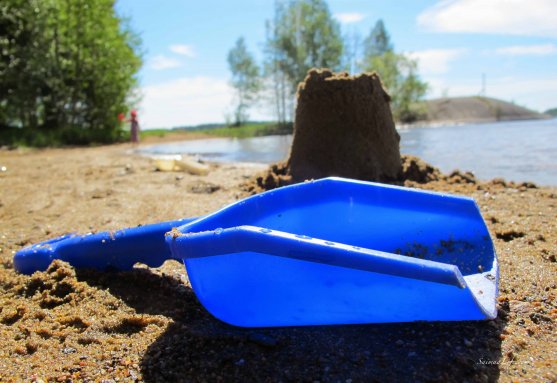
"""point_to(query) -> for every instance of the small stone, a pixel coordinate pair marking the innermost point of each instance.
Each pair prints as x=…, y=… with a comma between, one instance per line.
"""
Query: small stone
x=241, y=362
x=69, y=350
x=399, y=342
x=467, y=343
x=262, y=339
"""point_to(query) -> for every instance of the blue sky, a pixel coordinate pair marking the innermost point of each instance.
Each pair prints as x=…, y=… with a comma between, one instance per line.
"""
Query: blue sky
x=185, y=77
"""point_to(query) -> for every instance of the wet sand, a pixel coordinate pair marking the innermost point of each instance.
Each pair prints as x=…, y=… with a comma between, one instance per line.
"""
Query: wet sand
x=74, y=325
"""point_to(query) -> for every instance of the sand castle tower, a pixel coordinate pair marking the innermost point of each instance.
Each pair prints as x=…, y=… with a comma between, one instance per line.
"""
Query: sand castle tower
x=344, y=127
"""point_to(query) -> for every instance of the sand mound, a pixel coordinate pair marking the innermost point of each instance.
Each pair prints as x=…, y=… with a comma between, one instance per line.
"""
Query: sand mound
x=413, y=170
x=344, y=128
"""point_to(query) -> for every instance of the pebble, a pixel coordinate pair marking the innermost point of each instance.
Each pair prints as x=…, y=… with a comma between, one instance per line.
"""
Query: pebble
x=241, y=362
x=262, y=339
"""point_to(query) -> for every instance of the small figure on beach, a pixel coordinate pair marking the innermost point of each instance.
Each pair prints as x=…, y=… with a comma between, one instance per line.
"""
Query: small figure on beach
x=134, y=127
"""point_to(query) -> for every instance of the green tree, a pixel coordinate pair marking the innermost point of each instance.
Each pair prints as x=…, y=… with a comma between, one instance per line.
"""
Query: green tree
x=398, y=73
x=352, y=51
x=303, y=35
x=245, y=79
x=378, y=41
x=67, y=68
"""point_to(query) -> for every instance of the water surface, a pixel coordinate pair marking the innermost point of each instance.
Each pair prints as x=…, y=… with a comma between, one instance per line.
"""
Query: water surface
x=518, y=150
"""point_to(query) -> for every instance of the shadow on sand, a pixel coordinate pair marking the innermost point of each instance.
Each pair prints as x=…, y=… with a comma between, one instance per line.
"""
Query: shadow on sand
x=197, y=347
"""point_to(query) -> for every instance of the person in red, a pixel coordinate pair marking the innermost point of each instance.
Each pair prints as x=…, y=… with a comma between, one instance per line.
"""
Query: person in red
x=134, y=127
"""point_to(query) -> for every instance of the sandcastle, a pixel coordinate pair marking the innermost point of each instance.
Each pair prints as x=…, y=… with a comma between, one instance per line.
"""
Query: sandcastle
x=344, y=127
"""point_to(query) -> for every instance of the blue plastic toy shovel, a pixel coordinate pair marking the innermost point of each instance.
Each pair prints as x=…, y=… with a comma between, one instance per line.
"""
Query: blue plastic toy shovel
x=332, y=251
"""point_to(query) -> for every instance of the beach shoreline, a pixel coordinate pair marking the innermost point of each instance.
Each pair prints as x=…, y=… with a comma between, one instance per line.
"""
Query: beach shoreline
x=65, y=325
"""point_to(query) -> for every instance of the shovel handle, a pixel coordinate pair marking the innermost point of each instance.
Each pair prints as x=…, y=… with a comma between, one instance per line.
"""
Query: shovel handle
x=119, y=249
x=260, y=240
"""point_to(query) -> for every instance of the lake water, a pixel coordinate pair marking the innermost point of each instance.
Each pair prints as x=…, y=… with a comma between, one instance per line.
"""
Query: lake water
x=518, y=150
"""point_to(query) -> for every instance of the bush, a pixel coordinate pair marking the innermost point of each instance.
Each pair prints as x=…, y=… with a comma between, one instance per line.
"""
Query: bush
x=67, y=69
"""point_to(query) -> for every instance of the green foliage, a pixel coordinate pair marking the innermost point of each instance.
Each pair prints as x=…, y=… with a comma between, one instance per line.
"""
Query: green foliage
x=351, y=51
x=245, y=78
x=551, y=112
x=398, y=74
x=249, y=130
x=378, y=42
x=303, y=35
x=308, y=37
x=161, y=132
x=67, y=69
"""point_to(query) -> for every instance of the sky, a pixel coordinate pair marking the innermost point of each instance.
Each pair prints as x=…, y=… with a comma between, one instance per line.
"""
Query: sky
x=185, y=78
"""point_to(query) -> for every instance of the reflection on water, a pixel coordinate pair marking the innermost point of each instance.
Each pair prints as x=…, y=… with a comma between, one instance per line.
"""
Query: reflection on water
x=256, y=149
x=519, y=150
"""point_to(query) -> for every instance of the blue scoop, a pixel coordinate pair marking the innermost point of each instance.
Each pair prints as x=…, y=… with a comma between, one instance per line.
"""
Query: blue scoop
x=332, y=251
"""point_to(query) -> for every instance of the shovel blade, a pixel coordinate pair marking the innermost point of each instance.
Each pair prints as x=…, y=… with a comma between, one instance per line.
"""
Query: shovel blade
x=259, y=290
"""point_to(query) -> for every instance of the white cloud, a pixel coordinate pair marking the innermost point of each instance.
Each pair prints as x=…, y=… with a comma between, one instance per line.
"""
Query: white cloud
x=185, y=101
x=515, y=17
x=523, y=50
x=349, y=17
x=435, y=61
x=161, y=62
x=182, y=49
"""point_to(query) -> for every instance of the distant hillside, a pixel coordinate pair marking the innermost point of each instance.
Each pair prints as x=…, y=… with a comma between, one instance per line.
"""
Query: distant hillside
x=477, y=109
x=552, y=112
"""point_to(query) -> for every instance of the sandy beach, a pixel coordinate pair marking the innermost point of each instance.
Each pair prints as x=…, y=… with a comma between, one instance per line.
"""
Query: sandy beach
x=67, y=325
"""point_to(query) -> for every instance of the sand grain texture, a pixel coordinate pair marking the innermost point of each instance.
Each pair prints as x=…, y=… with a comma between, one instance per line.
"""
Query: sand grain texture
x=74, y=325
x=344, y=127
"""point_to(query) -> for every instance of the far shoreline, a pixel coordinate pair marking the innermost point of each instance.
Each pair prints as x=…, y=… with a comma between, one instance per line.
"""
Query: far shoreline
x=460, y=122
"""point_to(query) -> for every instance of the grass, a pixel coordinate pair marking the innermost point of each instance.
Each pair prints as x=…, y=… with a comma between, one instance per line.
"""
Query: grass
x=248, y=130
x=251, y=129
x=16, y=137
x=154, y=132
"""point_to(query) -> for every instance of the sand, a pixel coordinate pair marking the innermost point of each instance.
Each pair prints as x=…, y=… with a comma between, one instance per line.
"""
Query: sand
x=343, y=127
x=75, y=325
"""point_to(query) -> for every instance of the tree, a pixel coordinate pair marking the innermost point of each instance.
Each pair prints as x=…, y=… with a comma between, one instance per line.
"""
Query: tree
x=245, y=79
x=67, y=69
x=378, y=42
x=303, y=35
x=352, y=51
x=398, y=73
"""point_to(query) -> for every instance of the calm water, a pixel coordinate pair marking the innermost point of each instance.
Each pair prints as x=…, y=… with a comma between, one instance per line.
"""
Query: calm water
x=518, y=150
